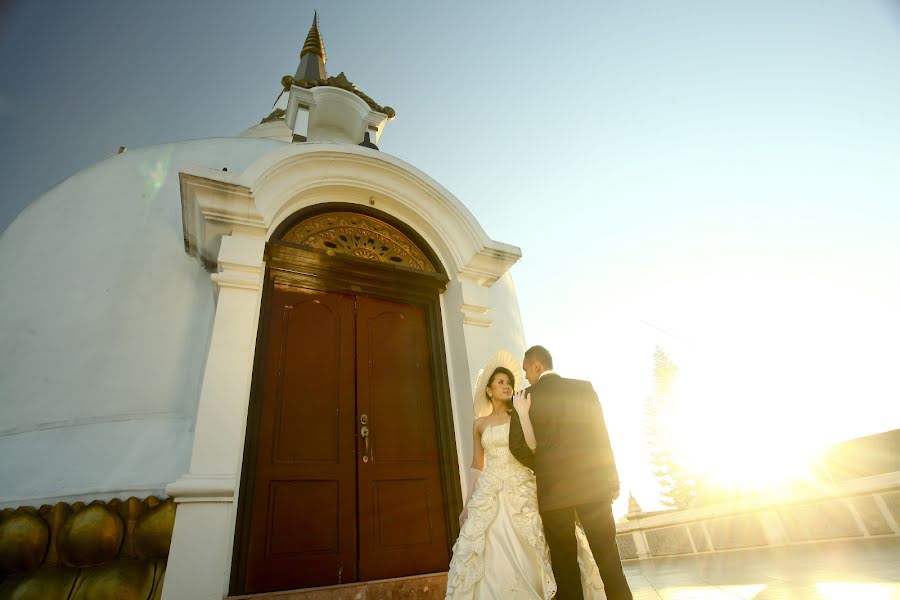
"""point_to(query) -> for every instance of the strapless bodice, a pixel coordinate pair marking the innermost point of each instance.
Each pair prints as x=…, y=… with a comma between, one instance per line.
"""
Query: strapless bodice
x=498, y=460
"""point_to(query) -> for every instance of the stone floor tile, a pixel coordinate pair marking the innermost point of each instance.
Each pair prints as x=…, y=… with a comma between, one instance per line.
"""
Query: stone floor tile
x=846, y=570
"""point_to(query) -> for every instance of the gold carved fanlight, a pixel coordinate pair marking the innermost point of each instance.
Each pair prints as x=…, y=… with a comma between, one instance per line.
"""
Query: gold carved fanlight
x=358, y=235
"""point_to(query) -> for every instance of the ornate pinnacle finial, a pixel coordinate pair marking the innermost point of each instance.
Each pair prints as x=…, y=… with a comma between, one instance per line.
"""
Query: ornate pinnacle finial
x=633, y=506
x=313, y=43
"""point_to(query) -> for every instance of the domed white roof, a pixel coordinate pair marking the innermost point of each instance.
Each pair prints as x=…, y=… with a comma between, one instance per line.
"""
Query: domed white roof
x=105, y=322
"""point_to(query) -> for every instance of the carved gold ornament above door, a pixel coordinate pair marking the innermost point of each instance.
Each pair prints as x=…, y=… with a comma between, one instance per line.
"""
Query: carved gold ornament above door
x=358, y=235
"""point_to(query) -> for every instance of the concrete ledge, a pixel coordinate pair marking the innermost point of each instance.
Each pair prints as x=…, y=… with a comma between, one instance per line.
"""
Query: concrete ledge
x=858, y=508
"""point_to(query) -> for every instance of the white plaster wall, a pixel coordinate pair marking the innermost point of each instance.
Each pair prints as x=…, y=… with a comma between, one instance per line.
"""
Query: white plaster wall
x=104, y=326
x=472, y=345
x=506, y=329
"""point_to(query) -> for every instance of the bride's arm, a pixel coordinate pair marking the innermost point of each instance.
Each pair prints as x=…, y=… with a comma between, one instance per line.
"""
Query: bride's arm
x=477, y=448
x=475, y=469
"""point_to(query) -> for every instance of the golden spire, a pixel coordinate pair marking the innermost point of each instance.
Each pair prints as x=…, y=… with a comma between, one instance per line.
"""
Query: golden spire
x=633, y=506
x=313, y=43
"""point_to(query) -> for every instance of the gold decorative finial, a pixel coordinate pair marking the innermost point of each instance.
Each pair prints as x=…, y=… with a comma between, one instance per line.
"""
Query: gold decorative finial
x=313, y=43
x=633, y=506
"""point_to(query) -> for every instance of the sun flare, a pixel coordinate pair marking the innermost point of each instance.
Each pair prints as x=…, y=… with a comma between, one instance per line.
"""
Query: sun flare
x=766, y=373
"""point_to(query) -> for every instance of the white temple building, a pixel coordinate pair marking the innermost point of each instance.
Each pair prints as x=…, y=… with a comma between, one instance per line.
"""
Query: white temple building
x=270, y=338
x=245, y=364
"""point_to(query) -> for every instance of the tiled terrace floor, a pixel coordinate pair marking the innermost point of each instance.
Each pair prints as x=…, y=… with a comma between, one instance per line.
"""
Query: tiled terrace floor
x=866, y=569
x=849, y=570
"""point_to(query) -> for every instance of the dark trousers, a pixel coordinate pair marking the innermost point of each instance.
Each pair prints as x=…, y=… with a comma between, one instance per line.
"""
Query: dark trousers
x=600, y=528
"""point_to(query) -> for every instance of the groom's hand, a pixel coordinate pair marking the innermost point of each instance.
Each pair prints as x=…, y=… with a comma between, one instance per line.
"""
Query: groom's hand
x=522, y=402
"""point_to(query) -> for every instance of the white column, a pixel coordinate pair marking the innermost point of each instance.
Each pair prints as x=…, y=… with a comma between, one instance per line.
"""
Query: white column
x=200, y=556
x=860, y=524
x=468, y=346
x=640, y=544
x=773, y=530
x=706, y=533
x=886, y=513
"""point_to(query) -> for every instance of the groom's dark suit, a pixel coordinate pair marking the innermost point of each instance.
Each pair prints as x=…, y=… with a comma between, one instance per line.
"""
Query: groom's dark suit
x=576, y=473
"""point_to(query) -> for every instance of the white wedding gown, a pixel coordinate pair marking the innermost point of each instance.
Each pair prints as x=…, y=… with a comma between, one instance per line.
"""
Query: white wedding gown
x=501, y=551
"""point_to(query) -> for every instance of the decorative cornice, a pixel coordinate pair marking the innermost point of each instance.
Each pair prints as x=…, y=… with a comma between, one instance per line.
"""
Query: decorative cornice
x=476, y=315
x=339, y=81
x=275, y=115
x=202, y=488
x=490, y=262
x=213, y=207
x=476, y=321
x=241, y=281
x=475, y=309
x=258, y=199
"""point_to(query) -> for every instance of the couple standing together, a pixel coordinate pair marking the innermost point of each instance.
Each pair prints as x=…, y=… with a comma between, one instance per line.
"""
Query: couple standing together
x=542, y=462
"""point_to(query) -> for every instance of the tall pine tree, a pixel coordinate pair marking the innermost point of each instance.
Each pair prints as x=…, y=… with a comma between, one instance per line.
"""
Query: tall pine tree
x=677, y=486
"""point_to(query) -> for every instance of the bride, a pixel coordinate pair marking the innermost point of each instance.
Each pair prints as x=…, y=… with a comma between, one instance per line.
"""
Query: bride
x=501, y=551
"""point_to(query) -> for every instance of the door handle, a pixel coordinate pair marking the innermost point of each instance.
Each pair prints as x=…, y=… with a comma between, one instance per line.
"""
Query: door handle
x=364, y=432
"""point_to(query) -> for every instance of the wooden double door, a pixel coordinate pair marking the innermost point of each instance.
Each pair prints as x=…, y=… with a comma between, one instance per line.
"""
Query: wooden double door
x=347, y=483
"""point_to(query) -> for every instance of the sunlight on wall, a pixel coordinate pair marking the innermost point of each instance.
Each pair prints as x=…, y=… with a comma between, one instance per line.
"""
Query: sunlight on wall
x=154, y=172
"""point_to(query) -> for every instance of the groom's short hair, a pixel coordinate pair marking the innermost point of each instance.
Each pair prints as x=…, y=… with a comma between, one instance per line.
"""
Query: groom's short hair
x=540, y=354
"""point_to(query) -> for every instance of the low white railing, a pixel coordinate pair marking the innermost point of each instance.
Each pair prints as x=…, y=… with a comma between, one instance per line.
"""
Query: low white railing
x=858, y=508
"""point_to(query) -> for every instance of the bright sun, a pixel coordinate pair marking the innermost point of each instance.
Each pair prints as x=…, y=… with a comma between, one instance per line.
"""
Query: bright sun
x=772, y=374
x=743, y=443
x=772, y=369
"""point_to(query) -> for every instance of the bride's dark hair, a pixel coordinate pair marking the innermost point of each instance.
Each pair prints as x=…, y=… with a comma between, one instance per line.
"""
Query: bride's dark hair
x=505, y=371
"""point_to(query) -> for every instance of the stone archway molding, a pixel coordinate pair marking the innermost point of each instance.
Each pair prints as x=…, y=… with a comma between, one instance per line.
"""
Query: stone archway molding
x=255, y=201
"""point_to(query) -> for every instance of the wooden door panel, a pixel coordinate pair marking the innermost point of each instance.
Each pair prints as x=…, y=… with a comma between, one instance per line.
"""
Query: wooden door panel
x=303, y=522
x=402, y=501
x=303, y=518
x=401, y=529
x=395, y=388
x=309, y=369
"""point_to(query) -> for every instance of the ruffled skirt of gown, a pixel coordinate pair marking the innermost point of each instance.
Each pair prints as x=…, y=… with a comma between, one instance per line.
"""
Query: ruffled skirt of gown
x=501, y=551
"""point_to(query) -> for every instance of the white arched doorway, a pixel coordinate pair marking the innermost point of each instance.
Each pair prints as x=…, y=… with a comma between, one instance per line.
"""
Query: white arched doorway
x=228, y=221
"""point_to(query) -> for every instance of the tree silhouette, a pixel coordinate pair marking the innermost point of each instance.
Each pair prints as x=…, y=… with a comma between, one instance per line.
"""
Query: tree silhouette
x=677, y=486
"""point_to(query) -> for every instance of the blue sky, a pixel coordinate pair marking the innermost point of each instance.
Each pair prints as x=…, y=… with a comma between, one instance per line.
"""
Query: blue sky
x=718, y=178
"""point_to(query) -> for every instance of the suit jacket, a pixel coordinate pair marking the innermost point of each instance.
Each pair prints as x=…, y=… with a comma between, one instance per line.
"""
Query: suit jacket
x=573, y=462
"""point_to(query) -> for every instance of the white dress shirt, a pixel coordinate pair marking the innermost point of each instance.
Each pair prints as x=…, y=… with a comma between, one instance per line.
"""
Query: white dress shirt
x=550, y=372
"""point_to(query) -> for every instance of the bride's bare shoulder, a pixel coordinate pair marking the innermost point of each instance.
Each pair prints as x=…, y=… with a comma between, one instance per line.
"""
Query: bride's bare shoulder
x=479, y=424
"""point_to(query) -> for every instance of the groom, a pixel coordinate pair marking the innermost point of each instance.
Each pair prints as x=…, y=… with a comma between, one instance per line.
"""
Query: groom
x=557, y=429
